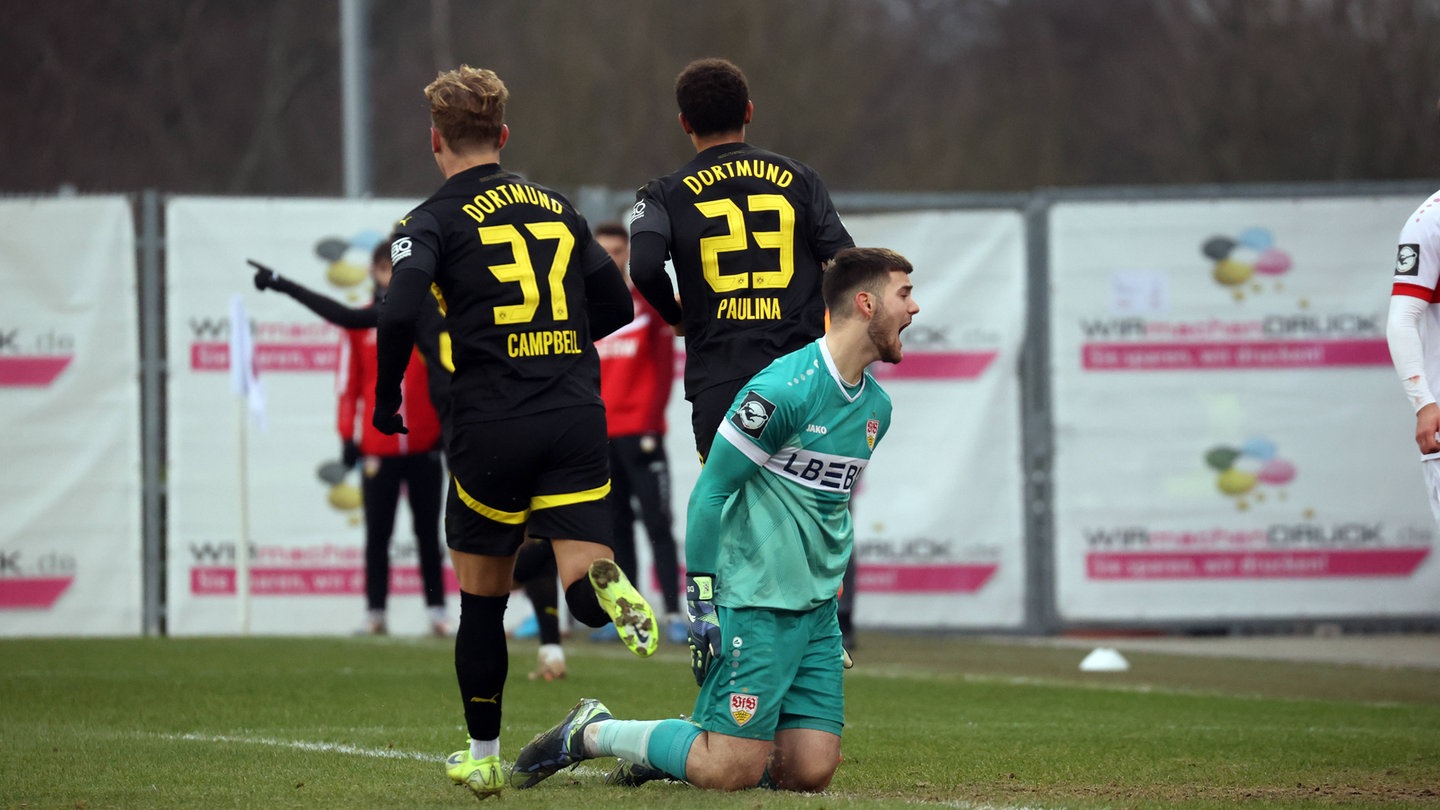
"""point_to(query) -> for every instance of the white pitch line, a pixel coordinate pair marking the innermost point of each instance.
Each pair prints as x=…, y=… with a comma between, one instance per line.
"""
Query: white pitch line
x=301, y=745
x=585, y=770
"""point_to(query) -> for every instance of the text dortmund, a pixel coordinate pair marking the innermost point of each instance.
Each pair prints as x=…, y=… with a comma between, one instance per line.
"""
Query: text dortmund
x=501, y=196
x=764, y=170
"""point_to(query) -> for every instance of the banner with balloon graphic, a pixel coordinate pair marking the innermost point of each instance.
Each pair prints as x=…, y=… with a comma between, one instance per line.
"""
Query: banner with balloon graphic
x=306, y=534
x=1245, y=258
x=1230, y=438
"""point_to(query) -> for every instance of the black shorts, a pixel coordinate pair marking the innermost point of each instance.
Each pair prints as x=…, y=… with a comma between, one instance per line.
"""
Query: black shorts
x=547, y=475
x=708, y=410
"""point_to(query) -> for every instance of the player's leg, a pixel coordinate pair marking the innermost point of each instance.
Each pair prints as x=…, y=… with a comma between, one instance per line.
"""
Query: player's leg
x=485, y=513
x=1432, y=485
x=423, y=483
x=741, y=704
x=380, y=479
x=707, y=409
x=805, y=759
x=675, y=748
x=807, y=737
x=679, y=750
x=622, y=540
x=650, y=479
x=729, y=742
x=482, y=663
x=597, y=592
x=535, y=572
x=622, y=514
x=570, y=508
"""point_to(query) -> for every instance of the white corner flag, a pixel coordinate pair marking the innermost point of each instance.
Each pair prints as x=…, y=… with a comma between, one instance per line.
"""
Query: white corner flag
x=243, y=379
x=245, y=382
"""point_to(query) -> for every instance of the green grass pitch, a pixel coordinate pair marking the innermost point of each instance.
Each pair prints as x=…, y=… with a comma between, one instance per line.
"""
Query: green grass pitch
x=932, y=721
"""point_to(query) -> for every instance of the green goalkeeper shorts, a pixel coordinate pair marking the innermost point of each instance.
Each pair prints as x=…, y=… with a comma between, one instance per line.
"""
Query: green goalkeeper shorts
x=777, y=669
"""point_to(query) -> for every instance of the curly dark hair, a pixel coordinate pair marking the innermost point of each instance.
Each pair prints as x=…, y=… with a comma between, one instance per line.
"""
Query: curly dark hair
x=712, y=94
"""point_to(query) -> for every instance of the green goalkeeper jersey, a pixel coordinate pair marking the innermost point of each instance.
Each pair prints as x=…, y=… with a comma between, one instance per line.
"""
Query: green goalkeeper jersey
x=769, y=515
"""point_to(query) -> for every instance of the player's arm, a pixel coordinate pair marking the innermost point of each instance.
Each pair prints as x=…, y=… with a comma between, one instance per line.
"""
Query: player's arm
x=348, y=387
x=328, y=308
x=662, y=368
x=413, y=255
x=830, y=236
x=725, y=471
x=1402, y=333
x=394, y=342
x=647, y=269
x=607, y=300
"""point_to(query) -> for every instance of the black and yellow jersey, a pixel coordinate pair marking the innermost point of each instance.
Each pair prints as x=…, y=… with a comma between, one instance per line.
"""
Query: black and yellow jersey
x=509, y=262
x=747, y=231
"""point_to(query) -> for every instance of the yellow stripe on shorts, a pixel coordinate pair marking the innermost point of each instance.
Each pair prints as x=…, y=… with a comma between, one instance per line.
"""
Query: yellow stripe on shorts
x=497, y=515
x=549, y=501
x=538, y=502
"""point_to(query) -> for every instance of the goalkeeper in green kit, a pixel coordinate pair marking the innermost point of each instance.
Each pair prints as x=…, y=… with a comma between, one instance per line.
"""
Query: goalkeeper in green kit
x=767, y=540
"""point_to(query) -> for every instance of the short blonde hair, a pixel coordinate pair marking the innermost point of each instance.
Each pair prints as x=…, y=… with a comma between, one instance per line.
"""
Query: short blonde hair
x=467, y=106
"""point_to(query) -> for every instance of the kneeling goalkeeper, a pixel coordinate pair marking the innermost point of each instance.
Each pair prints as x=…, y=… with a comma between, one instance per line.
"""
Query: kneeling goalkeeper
x=762, y=576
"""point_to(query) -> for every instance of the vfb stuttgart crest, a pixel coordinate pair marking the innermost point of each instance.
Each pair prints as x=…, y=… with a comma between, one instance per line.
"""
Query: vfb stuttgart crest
x=872, y=429
x=742, y=707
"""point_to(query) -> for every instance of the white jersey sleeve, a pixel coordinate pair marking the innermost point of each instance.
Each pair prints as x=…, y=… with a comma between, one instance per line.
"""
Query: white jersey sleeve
x=1413, y=330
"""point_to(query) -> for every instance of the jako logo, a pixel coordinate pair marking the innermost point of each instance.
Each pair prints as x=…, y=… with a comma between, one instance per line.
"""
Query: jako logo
x=1238, y=260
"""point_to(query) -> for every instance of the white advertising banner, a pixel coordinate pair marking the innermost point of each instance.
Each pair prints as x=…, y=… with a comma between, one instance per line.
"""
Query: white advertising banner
x=939, y=518
x=305, y=536
x=70, y=524
x=1231, y=440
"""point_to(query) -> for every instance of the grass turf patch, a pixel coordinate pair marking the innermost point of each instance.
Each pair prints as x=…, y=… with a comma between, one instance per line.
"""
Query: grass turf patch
x=931, y=720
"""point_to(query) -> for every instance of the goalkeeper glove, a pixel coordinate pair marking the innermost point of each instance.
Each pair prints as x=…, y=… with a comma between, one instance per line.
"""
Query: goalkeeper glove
x=704, y=623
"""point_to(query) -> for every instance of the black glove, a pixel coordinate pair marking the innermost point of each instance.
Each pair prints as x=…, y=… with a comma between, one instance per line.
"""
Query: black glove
x=387, y=418
x=349, y=453
x=265, y=278
x=704, y=624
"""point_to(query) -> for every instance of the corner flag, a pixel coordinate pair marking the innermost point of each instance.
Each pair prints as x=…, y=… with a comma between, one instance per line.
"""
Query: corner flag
x=243, y=379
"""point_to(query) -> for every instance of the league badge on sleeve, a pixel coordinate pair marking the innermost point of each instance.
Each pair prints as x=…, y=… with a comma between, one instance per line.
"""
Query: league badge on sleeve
x=752, y=415
x=400, y=249
x=1407, y=261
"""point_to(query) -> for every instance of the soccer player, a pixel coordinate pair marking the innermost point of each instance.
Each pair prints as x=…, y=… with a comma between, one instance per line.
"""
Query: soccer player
x=526, y=290
x=1413, y=332
x=762, y=575
x=637, y=371
x=389, y=463
x=747, y=232
x=534, y=563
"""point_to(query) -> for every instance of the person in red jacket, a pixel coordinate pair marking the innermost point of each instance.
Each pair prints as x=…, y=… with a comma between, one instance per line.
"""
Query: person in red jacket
x=388, y=463
x=535, y=568
x=637, y=370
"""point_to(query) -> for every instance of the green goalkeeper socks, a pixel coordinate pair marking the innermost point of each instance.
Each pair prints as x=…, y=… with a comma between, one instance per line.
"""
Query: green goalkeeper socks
x=662, y=744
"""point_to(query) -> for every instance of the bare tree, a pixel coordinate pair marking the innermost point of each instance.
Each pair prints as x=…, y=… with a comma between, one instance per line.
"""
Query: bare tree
x=199, y=96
